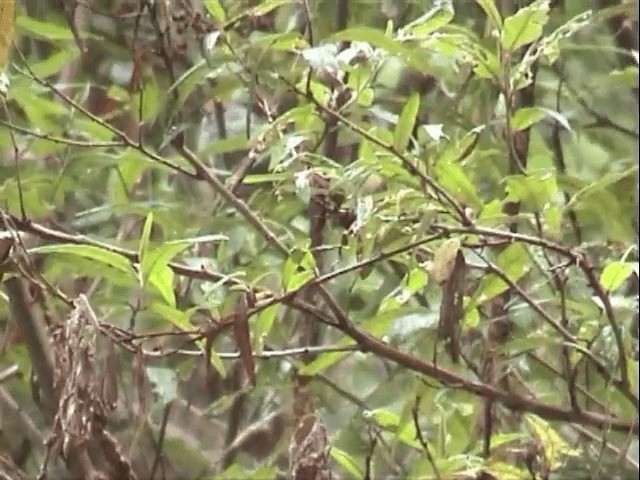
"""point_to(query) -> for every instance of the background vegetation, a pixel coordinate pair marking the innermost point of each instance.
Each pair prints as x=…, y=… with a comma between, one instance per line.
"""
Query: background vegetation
x=319, y=239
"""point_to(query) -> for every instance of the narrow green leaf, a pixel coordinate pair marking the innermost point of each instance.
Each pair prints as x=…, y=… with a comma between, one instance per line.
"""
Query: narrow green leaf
x=491, y=11
x=43, y=29
x=98, y=254
x=177, y=317
x=431, y=21
x=322, y=362
x=162, y=279
x=54, y=63
x=264, y=322
x=144, y=241
x=266, y=178
x=347, y=462
x=600, y=185
x=407, y=120
x=225, y=145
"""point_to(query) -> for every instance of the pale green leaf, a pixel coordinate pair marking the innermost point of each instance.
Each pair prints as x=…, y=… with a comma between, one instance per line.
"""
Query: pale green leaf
x=407, y=120
x=433, y=20
x=615, y=274
x=321, y=363
x=491, y=11
x=525, y=26
x=348, y=462
x=41, y=29
x=162, y=279
x=143, y=246
x=215, y=10
x=165, y=383
x=523, y=118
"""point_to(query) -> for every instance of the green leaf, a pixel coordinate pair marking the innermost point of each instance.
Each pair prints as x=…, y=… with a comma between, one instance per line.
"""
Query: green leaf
x=407, y=120
x=215, y=10
x=177, y=317
x=154, y=264
x=348, y=462
x=298, y=269
x=298, y=279
x=161, y=256
x=54, y=63
x=514, y=262
x=321, y=363
x=162, y=280
x=98, y=254
x=433, y=20
x=456, y=181
x=499, y=439
x=143, y=246
x=506, y=471
x=391, y=421
x=230, y=144
x=491, y=11
x=263, y=323
x=615, y=274
x=525, y=26
x=534, y=191
x=553, y=445
x=523, y=118
x=41, y=29
x=145, y=104
x=592, y=188
x=165, y=383
x=382, y=417
x=268, y=6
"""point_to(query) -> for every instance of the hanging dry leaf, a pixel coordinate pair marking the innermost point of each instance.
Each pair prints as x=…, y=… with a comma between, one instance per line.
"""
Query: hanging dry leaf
x=444, y=260
x=110, y=376
x=309, y=451
x=6, y=29
x=451, y=307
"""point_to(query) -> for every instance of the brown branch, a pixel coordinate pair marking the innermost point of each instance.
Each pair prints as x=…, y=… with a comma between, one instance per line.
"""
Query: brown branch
x=512, y=401
x=381, y=349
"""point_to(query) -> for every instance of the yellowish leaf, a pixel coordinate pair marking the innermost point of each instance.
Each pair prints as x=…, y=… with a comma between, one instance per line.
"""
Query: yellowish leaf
x=445, y=260
x=6, y=29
